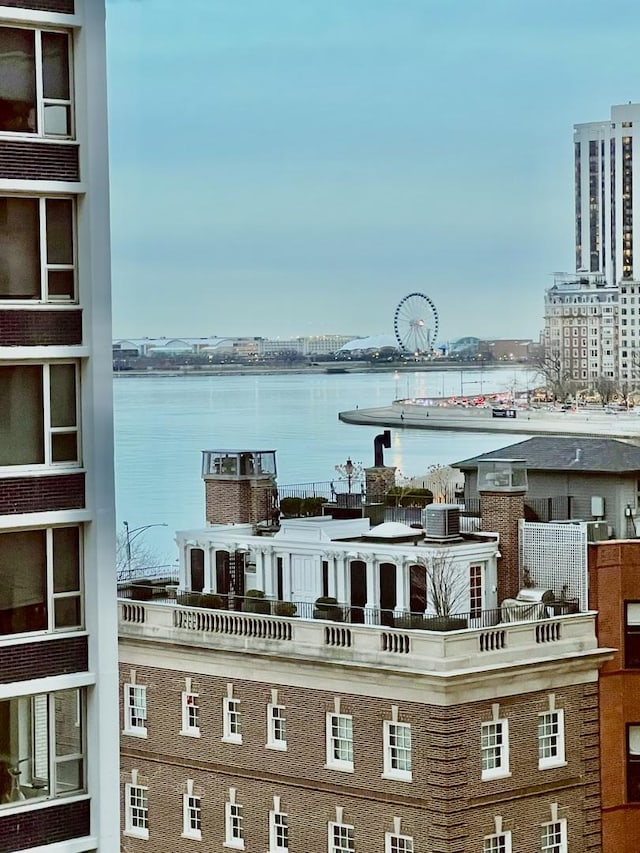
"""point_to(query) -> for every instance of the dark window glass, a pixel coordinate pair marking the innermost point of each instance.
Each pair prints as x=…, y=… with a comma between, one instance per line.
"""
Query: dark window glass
x=66, y=559
x=19, y=248
x=21, y=415
x=633, y=763
x=63, y=395
x=59, y=231
x=55, y=66
x=632, y=635
x=17, y=80
x=23, y=591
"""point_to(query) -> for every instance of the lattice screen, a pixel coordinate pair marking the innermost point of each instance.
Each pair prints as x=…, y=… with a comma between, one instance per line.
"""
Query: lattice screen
x=555, y=556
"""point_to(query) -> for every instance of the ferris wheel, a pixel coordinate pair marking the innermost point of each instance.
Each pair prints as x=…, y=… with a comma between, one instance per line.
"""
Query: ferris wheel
x=415, y=323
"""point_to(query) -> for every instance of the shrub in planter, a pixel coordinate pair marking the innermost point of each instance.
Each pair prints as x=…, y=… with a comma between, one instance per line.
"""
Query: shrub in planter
x=255, y=602
x=327, y=607
x=312, y=506
x=444, y=623
x=285, y=608
x=291, y=507
x=211, y=600
x=399, y=496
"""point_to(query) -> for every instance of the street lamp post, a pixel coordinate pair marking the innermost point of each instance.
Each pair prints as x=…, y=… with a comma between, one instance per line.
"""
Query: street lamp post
x=348, y=470
x=132, y=535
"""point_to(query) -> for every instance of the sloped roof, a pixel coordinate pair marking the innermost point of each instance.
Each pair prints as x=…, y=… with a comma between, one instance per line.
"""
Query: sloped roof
x=567, y=453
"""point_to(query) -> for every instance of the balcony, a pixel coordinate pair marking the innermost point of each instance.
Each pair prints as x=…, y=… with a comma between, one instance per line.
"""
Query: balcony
x=499, y=646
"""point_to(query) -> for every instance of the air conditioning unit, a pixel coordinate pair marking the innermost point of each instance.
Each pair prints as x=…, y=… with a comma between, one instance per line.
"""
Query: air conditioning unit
x=441, y=521
x=597, y=531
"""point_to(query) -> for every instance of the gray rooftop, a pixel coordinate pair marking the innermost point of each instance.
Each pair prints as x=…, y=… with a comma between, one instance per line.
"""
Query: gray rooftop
x=567, y=453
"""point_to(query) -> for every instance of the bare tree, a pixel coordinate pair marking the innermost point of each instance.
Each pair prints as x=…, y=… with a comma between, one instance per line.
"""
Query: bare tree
x=556, y=375
x=137, y=560
x=447, y=584
x=605, y=388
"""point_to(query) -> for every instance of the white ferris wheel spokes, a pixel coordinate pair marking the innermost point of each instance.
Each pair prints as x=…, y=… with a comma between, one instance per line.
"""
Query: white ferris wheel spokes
x=415, y=323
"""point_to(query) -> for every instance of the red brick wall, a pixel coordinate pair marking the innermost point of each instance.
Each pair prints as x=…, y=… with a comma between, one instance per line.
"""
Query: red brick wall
x=40, y=328
x=614, y=577
x=44, y=659
x=238, y=501
x=501, y=512
x=44, y=826
x=447, y=807
x=39, y=161
x=41, y=494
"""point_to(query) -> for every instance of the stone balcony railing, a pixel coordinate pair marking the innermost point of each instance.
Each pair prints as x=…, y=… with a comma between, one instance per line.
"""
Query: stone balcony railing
x=502, y=645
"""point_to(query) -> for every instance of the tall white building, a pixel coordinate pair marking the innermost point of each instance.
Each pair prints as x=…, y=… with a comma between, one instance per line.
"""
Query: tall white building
x=58, y=653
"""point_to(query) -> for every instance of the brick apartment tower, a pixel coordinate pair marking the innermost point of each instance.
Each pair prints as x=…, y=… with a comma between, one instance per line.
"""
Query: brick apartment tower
x=502, y=485
x=240, y=486
x=58, y=652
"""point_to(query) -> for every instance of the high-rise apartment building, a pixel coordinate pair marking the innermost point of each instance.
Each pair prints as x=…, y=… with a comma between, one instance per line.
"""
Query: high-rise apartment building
x=58, y=729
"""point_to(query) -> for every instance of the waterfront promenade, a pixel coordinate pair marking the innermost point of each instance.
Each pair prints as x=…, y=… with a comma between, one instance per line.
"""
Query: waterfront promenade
x=591, y=422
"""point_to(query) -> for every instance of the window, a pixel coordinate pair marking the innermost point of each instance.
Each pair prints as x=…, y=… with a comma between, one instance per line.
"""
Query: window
x=191, y=816
x=278, y=832
x=341, y=838
x=495, y=749
x=340, y=741
x=136, y=819
x=233, y=825
x=475, y=591
x=397, y=750
x=190, y=715
x=276, y=727
x=135, y=710
x=499, y=843
x=41, y=587
x=39, y=414
x=36, y=97
x=42, y=746
x=231, y=721
x=397, y=843
x=550, y=739
x=37, y=251
x=632, y=629
x=633, y=763
x=554, y=837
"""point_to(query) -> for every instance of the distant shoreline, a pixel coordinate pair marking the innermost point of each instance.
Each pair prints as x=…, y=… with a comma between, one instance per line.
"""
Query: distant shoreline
x=328, y=368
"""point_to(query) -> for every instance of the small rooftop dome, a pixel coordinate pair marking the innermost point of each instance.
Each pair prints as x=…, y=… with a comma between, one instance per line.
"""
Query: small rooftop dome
x=393, y=531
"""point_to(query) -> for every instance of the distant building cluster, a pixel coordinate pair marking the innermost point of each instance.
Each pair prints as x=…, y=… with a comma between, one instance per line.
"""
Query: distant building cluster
x=592, y=317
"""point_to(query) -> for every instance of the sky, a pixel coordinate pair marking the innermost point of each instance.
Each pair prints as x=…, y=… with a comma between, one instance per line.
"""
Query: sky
x=297, y=167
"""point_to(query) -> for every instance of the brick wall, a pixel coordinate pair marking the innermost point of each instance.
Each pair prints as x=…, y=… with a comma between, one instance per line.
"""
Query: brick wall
x=40, y=328
x=39, y=161
x=65, y=7
x=41, y=494
x=43, y=659
x=500, y=513
x=614, y=577
x=44, y=826
x=447, y=808
x=238, y=501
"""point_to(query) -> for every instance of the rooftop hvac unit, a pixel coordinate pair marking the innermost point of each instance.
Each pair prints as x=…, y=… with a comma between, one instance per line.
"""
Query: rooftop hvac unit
x=597, y=531
x=441, y=521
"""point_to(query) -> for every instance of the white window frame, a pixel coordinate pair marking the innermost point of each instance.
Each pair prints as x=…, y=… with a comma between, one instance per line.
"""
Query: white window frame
x=189, y=701
x=44, y=296
x=278, y=819
x=49, y=431
x=331, y=846
x=396, y=843
x=131, y=821
x=276, y=724
x=499, y=842
x=231, y=720
x=553, y=847
x=488, y=746
x=390, y=769
x=192, y=816
x=41, y=102
x=233, y=834
x=137, y=692
x=550, y=742
x=334, y=743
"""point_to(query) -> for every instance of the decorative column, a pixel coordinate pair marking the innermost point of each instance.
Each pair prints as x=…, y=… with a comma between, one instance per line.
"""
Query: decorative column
x=402, y=586
x=373, y=591
x=209, y=575
x=341, y=579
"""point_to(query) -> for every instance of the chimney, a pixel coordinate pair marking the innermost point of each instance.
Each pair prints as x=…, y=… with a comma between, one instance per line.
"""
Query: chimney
x=380, y=478
x=240, y=486
x=502, y=485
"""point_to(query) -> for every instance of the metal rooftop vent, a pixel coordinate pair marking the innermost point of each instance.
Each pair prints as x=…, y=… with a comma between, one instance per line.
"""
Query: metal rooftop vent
x=441, y=521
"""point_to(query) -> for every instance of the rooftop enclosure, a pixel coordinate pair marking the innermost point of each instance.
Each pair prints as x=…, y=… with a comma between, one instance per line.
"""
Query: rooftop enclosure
x=238, y=463
x=502, y=475
x=240, y=486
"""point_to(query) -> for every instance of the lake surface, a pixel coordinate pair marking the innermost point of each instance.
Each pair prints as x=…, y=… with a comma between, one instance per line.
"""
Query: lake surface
x=163, y=423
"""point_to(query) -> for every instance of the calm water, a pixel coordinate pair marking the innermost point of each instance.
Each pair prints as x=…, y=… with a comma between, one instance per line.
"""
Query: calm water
x=163, y=424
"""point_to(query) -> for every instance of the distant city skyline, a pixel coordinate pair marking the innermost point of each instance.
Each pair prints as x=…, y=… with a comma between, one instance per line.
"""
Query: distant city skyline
x=292, y=168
